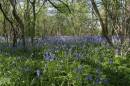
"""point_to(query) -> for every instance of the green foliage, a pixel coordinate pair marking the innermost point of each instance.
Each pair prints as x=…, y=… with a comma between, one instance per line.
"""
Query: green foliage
x=61, y=23
x=66, y=65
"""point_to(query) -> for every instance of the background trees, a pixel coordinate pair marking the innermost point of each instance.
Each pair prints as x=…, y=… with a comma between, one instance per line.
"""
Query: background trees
x=34, y=18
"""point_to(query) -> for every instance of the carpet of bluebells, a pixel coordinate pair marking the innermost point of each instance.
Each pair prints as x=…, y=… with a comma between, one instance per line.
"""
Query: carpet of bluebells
x=64, y=64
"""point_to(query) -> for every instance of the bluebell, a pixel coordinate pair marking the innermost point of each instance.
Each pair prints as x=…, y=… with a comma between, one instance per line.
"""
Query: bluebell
x=49, y=56
x=89, y=77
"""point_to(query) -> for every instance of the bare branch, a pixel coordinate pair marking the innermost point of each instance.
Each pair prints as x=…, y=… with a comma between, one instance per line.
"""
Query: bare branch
x=65, y=5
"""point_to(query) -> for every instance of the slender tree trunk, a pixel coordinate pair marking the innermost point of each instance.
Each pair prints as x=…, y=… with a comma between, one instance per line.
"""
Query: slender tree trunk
x=103, y=25
x=34, y=22
x=19, y=21
x=11, y=22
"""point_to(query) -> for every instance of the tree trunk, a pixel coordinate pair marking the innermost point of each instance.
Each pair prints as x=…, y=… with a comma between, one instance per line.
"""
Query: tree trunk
x=19, y=21
x=103, y=25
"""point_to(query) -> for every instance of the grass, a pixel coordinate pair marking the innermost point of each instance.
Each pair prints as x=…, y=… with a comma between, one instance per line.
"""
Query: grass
x=64, y=65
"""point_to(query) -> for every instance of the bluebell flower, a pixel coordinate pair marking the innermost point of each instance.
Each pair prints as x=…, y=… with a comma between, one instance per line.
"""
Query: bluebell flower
x=49, y=56
x=89, y=77
x=60, y=42
x=97, y=81
x=77, y=55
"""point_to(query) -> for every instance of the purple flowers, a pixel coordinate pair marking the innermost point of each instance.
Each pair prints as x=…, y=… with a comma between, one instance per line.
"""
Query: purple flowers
x=89, y=77
x=78, y=56
x=48, y=56
x=97, y=81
